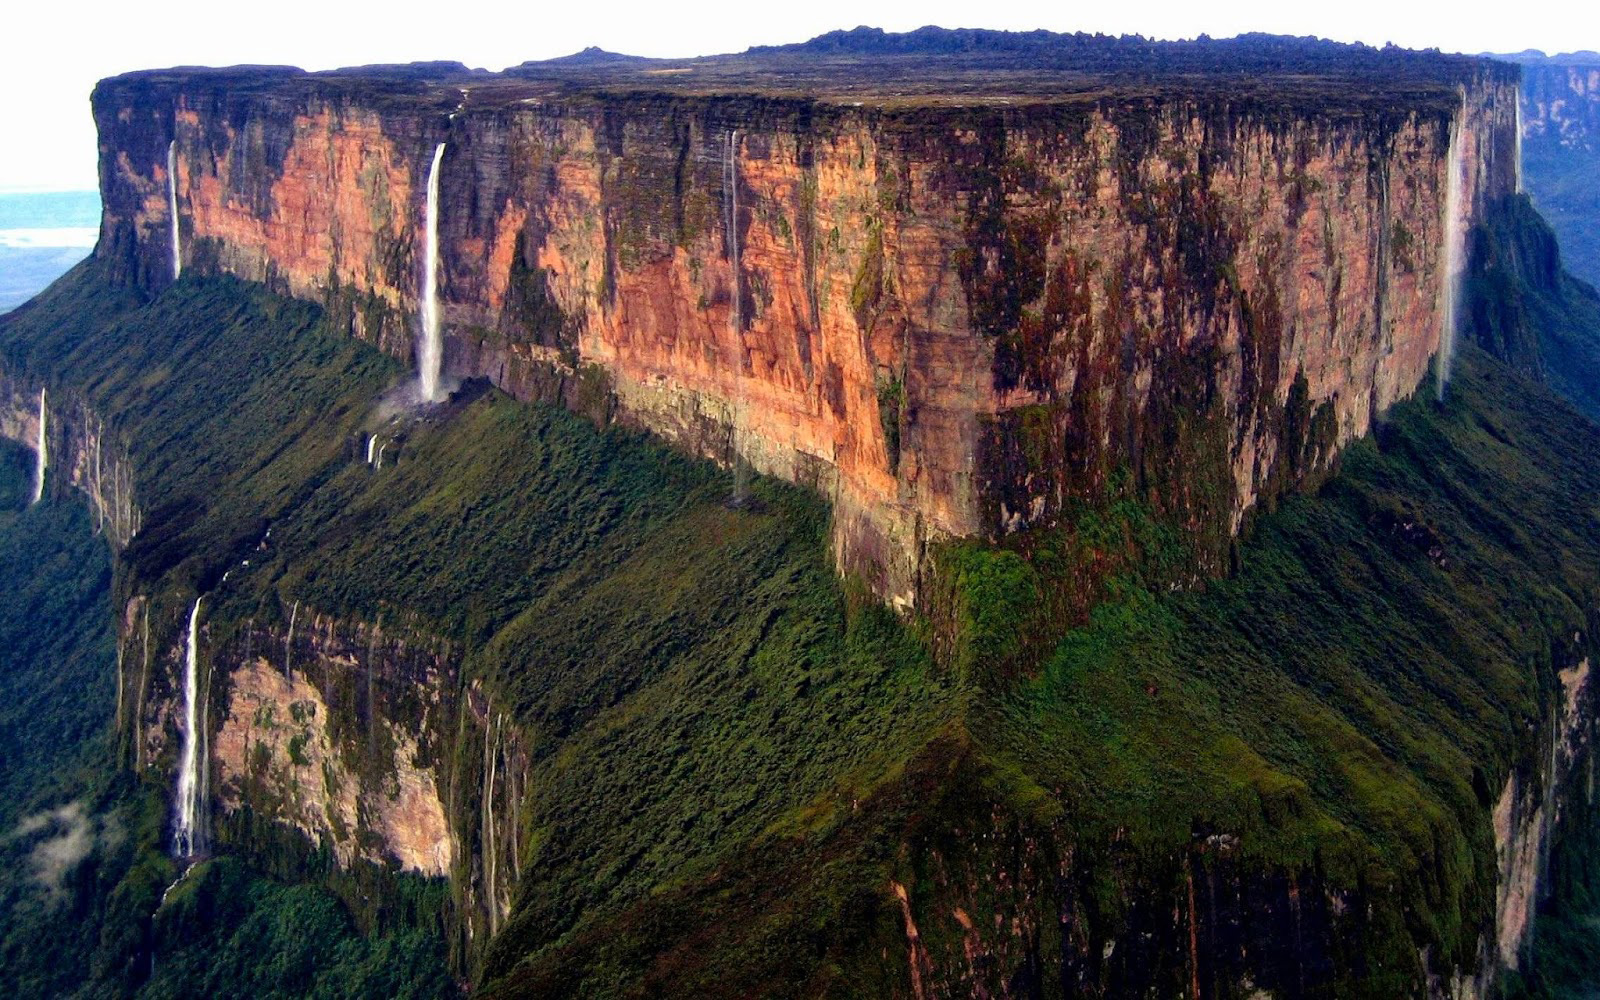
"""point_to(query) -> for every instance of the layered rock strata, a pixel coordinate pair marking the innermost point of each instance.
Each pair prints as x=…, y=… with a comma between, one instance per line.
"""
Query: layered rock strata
x=340, y=730
x=953, y=318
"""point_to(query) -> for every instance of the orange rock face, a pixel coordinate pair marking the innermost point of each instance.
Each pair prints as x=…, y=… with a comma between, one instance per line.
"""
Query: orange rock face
x=275, y=741
x=332, y=729
x=953, y=321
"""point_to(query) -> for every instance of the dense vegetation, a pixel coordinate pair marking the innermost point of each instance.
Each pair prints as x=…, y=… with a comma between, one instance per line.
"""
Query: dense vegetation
x=749, y=680
x=55, y=642
x=1250, y=53
x=1348, y=704
x=734, y=758
x=85, y=859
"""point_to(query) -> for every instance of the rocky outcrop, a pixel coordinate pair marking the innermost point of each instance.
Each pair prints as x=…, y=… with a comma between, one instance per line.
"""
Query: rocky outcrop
x=953, y=318
x=340, y=730
x=355, y=734
x=276, y=749
x=1528, y=809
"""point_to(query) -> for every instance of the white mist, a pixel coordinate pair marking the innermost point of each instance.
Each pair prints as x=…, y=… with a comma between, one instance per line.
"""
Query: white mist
x=187, y=837
x=430, y=356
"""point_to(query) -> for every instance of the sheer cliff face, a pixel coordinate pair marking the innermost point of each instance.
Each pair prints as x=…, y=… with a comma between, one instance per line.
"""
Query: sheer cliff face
x=1561, y=140
x=82, y=454
x=337, y=729
x=952, y=320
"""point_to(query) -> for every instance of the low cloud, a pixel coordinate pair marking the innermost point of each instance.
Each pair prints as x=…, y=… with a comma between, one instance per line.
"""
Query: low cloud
x=69, y=838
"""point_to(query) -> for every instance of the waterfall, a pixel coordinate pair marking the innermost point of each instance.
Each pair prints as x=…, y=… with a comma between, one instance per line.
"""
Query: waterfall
x=731, y=183
x=1455, y=238
x=741, y=469
x=172, y=208
x=372, y=441
x=430, y=357
x=288, y=642
x=1519, y=139
x=490, y=757
x=187, y=839
x=44, y=451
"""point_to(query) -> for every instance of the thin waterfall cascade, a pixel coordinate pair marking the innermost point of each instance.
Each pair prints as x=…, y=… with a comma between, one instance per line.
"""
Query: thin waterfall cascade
x=372, y=442
x=144, y=686
x=731, y=183
x=491, y=758
x=172, y=208
x=204, y=775
x=430, y=355
x=1455, y=251
x=43, y=449
x=188, y=837
x=1519, y=140
x=288, y=642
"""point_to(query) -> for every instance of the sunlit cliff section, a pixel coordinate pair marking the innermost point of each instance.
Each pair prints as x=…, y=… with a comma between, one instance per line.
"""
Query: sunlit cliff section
x=952, y=293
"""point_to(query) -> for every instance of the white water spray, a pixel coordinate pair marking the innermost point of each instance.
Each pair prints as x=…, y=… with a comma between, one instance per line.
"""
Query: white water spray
x=430, y=356
x=731, y=182
x=172, y=208
x=1455, y=239
x=1519, y=139
x=288, y=641
x=44, y=451
x=491, y=755
x=187, y=838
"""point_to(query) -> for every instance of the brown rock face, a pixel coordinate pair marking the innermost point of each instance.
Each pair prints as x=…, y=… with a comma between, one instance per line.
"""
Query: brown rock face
x=952, y=320
x=275, y=742
x=335, y=728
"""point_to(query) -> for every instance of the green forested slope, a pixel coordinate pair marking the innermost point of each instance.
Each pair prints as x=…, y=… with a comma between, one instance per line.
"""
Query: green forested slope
x=56, y=643
x=737, y=757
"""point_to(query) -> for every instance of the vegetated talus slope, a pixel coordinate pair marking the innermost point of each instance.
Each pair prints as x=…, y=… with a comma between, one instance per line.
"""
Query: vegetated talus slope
x=689, y=674
x=739, y=766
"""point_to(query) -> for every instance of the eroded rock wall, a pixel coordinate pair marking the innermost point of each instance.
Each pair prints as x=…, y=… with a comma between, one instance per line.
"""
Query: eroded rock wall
x=340, y=730
x=953, y=320
x=82, y=455
x=1561, y=153
x=1527, y=811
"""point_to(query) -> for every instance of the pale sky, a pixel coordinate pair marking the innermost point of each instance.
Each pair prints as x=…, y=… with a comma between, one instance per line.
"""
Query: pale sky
x=53, y=51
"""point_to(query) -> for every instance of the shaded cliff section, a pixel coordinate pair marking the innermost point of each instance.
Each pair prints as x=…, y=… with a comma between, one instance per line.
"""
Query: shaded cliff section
x=953, y=318
x=1561, y=150
x=1526, y=308
x=82, y=454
